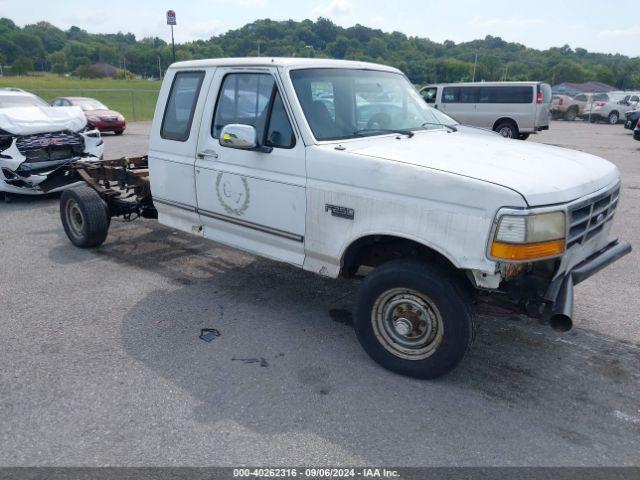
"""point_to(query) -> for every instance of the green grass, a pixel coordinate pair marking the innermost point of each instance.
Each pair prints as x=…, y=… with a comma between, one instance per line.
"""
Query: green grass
x=121, y=95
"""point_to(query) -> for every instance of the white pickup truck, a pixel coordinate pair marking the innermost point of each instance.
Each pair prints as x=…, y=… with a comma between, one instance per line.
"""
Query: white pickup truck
x=342, y=169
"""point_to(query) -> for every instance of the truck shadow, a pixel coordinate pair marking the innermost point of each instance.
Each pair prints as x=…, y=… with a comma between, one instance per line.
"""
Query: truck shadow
x=283, y=364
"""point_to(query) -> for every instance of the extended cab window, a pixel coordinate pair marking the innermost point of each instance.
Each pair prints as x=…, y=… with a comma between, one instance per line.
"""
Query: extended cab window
x=178, y=114
x=253, y=99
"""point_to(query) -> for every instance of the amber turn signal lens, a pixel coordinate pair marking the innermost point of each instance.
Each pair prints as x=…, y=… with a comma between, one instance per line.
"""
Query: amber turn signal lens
x=527, y=251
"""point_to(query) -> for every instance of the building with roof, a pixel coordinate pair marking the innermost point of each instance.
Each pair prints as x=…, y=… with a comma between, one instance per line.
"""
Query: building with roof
x=573, y=89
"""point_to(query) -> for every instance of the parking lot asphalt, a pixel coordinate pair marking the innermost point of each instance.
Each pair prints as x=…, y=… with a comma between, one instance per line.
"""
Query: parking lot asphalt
x=101, y=364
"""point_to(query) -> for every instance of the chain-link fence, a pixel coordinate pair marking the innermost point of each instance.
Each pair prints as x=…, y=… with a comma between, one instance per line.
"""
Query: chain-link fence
x=135, y=105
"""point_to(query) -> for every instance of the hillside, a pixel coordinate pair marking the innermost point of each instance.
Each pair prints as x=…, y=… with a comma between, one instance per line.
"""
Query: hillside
x=44, y=47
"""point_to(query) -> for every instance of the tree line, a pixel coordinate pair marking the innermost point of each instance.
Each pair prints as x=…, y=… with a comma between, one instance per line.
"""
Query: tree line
x=44, y=47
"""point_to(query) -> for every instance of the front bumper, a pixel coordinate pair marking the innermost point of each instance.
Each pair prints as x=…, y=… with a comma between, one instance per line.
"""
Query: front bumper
x=109, y=126
x=561, y=289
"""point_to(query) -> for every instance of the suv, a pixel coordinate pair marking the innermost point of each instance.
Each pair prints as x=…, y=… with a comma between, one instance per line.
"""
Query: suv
x=36, y=139
x=513, y=109
x=340, y=168
x=610, y=107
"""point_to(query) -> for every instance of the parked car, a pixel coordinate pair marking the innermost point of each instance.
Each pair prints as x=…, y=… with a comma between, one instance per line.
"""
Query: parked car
x=434, y=217
x=98, y=114
x=36, y=139
x=513, y=109
x=631, y=119
x=610, y=107
x=568, y=108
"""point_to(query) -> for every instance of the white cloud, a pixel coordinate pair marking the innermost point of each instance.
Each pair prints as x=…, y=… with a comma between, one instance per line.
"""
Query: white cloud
x=333, y=8
x=506, y=22
x=630, y=32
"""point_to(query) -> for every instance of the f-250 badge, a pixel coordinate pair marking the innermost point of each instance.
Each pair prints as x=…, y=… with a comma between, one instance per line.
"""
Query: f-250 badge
x=233, y=193
x=342, y=212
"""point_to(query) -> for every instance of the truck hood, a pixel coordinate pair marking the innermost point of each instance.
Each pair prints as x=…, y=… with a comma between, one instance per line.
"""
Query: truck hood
x=542, y=174
x=30, y=120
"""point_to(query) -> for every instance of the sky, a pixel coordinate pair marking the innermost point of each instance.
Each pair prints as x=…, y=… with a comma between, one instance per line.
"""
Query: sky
x=540, y=24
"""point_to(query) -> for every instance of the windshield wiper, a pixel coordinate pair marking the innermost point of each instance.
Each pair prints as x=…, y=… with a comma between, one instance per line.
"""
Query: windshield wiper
x=362, y=132
x=450, y=127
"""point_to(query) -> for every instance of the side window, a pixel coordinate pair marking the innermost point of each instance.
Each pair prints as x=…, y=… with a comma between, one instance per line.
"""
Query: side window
x=469, y=94
x=429, y=94
x=451, y=95
x=581, y=98
x=178, y=114
x=511, y=94
x=279, y=132
x=243, y=98
x=55, y=103
x=253, y=99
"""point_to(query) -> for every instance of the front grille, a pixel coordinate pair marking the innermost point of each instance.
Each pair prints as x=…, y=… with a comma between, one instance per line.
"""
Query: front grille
x=588, y=219
x=109, y=119
x=45, y=147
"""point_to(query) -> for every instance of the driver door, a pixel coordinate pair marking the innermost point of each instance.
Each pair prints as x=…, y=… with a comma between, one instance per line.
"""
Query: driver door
x=252, y=199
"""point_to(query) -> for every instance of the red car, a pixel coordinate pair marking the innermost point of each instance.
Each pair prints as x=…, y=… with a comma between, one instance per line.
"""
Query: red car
x=98, y=114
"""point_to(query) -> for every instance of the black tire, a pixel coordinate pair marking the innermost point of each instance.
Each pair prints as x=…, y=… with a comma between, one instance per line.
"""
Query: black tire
x=571, y=114
x=118, y=132
x=507, y=129
x=405, y=286
x=524, y=136
x=84, y=216
x=613, y=118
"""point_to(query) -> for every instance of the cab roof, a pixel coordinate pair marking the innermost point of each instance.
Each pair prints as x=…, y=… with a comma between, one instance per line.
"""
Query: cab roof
x=285, y=62
x=16, y=92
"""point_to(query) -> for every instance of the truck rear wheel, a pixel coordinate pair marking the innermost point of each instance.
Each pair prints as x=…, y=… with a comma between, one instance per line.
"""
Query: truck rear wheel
x=571, y=114
x=84, y=216
x=414, y=319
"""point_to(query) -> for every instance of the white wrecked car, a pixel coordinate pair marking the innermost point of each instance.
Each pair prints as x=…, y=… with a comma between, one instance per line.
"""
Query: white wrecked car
x=36, y=139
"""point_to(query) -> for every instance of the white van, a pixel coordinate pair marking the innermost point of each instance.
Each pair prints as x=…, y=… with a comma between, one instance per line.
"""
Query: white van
x=513, y=109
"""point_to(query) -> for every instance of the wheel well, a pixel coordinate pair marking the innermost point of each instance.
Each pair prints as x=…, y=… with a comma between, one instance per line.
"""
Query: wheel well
x=506, y=120
x=374, y=250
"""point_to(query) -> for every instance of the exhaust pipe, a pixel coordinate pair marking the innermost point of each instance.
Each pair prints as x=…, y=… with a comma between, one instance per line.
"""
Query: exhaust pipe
x=562, y=310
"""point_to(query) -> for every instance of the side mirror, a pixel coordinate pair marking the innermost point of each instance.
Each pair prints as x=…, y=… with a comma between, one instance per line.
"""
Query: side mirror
x=237, y=135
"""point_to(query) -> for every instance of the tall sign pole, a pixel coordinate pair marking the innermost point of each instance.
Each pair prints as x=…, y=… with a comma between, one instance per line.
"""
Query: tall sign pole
x=171, y=20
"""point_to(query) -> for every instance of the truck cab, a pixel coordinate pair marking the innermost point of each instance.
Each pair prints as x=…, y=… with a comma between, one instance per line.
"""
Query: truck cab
x=342, y=169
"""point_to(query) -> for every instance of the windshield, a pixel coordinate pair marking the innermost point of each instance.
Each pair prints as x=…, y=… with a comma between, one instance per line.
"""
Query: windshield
x=342, y=103
x=89, y=104
x=8, y=101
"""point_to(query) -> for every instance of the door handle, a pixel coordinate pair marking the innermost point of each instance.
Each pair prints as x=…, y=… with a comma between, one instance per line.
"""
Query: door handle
x=207, y=154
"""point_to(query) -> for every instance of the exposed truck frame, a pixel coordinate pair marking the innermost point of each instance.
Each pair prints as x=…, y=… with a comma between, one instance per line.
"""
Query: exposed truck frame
x=122, y=184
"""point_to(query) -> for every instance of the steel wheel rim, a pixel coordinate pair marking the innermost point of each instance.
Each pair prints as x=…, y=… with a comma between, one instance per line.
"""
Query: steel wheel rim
x=407, y=323
x=75, y=217
x=506, y=132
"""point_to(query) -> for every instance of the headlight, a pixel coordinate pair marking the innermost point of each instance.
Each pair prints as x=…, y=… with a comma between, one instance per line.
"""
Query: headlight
x=120, y=118
x=93, y=118
x=519, y=238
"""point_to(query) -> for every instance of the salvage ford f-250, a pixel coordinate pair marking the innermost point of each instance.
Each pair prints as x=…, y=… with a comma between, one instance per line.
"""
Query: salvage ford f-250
x=340, y=168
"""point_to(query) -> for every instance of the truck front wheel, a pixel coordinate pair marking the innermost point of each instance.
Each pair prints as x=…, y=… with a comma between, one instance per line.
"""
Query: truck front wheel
x=84, y=216
x=414, y=319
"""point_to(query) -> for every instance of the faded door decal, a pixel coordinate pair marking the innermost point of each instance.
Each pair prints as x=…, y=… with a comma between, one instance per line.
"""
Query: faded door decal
x=233, y=193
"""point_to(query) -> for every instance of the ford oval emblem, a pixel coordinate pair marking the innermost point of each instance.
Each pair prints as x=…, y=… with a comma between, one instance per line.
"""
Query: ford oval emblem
x=600, y=218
